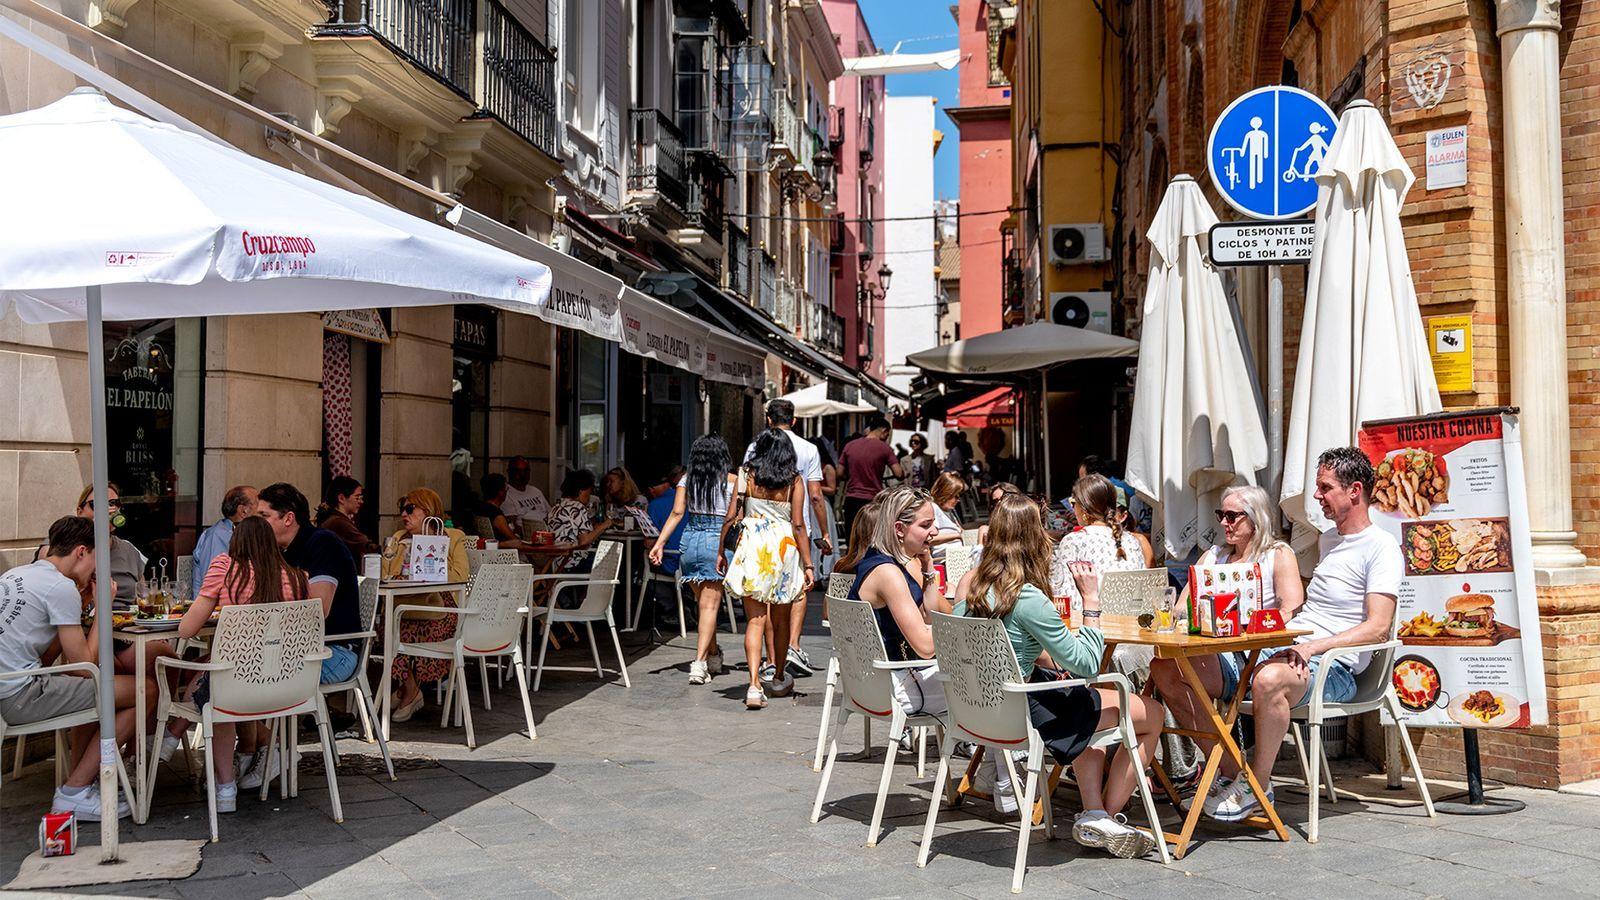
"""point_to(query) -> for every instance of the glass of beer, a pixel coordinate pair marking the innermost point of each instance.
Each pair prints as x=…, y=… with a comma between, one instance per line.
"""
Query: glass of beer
x=1167, y=612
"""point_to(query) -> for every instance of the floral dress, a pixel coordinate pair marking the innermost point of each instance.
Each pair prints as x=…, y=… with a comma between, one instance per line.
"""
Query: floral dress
x=766, y=564
x=569, y=521
x=425, y=628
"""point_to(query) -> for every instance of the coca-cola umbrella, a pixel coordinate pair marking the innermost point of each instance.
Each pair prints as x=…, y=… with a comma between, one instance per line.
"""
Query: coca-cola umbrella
x=114, y=216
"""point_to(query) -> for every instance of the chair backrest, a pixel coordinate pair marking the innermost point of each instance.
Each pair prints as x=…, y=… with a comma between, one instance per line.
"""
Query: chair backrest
x=184, y=576
x=1379, y=673
x=957, y=563
x=372, y=565
x=483, y=527
x=477, y=559
x=857, y=642
x=969, y=537
x=497, y=593
x=607, y=562
x=268, y=644
x=1132, y=593
x=976, y=658
x=367, y=600
x=839, y=585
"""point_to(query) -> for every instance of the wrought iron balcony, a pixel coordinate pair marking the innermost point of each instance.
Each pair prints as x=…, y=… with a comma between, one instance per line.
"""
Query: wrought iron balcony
x=767, y=286
x=659, y=165
x=827, y=330
x=787, y=131
x=707, y=210
x=519, y=79
x=788, y=305
x=739, y=261
x=434, y=35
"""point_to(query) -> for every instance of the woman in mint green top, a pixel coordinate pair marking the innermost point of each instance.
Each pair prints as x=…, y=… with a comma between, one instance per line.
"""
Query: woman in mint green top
x=1009, y=584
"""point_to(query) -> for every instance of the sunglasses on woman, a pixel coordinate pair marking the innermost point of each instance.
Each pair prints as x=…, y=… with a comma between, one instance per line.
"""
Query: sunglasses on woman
x=407, y=509
x=1229, y=516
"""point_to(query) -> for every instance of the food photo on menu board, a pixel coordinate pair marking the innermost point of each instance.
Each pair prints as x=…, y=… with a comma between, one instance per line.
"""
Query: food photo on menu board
x=1450, y=489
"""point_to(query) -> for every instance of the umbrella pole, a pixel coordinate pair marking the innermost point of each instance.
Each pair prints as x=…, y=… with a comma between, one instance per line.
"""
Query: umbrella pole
x=102, y=582
x=1275, y=380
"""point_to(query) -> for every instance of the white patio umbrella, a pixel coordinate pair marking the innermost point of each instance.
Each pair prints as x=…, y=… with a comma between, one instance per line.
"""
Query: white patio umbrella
x=811, y=402
x=1023, y=349
x=110, y=215
x=1363, y=354
x=1196, y=425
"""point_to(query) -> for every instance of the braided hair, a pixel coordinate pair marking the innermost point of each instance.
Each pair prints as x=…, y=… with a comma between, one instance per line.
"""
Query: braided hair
x=1094, y=499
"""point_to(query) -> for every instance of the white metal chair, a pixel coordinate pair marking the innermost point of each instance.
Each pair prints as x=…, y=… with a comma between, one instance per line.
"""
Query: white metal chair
x=266, y=659
x=477, y=559
x=838, y=589
x=867, y=687
x=1374, y=691
x=957, y=563
x=600, y=586
x=57, y=725
x=356, y=685
x=489, y=625
x=989, y=706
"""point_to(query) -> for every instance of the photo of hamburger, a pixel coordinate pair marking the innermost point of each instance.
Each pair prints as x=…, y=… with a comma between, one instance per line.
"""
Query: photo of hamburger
x=1469, y=616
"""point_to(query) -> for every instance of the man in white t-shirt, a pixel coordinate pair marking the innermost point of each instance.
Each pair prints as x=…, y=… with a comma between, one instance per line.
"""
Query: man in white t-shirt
x=1349, y=602
x=780, y=415
x=41, y=612
x=524, y=502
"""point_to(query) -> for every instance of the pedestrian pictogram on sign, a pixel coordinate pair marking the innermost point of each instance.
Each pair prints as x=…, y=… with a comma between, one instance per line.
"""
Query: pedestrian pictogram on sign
x=1266, y=149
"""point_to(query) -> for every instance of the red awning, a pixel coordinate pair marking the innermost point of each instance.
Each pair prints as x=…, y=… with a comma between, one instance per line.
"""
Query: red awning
x=997, y=407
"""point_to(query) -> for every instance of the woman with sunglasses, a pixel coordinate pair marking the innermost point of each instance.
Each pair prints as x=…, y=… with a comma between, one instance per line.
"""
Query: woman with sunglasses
x=1249, y=536
x=410, y=672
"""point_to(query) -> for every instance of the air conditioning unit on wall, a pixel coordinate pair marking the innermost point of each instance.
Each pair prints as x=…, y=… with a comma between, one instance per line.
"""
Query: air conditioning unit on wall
x=1076, y=245
x=1082, y=309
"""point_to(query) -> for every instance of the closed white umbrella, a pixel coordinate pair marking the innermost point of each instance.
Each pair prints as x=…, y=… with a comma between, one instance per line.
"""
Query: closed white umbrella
x=1363, y=354
x=185, y=225
x=1196, y=426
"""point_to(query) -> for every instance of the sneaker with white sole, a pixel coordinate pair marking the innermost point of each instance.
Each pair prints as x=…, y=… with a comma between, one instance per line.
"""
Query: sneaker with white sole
x=799, y=660
x=1219, y=788
x=1238, y=803
x=755, y=699
x=228, y=797
x=768, y=673
x=259, y=773
x=1094, y=828
x=169, y=745
x=85, y=805
x=698, y=673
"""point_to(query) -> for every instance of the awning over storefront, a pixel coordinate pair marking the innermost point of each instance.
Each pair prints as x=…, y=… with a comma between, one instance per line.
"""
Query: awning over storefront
x=996, y=407
x=813, y=401
x=755, y=326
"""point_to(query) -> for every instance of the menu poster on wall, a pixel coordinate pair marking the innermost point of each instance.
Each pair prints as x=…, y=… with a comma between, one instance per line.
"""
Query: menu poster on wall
x=1451, y=489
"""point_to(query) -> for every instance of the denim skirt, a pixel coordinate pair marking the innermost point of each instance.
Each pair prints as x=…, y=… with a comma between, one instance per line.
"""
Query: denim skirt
x=698, y=547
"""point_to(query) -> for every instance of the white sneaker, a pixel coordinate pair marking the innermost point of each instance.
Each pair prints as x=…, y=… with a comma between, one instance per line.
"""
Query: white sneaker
x=1238, y=804
x=169, y=746
x=1219, y=788
x=992, y=779
x=86, y=805
x=799, y=659
x=1094, y=828
x=768, y=672
x=228, y=797
x=259, y=774
x=242, y=763
x=698, y=674
x=714, y=660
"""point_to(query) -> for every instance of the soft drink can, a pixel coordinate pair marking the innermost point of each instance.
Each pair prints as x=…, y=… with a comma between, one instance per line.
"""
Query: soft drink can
x=58, y=834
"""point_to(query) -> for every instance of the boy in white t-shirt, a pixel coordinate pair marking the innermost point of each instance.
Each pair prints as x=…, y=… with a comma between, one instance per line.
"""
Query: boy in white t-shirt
x=41, y=610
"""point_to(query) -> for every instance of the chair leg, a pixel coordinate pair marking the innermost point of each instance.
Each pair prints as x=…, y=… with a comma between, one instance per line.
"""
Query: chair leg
x=447, y=703
x=364, y=703
x=1411, y=754
x=483, y=679
x=1313, y=783
x=941, y=778
x=1148, y=798
x=1327, y=773
x=16, y=768
x=827, y=767
x=897, y=727
x=522, y=687
x=149, y=786
x=827, y=706
x=326, y=730
x=288, y=732
x=61, y=756
x=364, y=710
x=1299, y=742
x=211, y=775
x=922, y=751
x=465, y=707
x=1025, y=809
x=622, y=661
x=271, y=750
x=544, y=644
x=594, y=650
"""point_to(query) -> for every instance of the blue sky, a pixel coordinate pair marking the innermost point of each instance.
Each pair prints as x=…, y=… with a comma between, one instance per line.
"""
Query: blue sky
x=925, y=26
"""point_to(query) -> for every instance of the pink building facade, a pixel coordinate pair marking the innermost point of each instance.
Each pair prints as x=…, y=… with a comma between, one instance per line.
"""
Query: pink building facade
x=984, y=120
x=857, y=142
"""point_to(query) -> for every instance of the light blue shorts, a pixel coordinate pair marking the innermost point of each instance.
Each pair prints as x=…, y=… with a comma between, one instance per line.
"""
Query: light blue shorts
x=1339, y=688
x=697, y=550
x=340, y=666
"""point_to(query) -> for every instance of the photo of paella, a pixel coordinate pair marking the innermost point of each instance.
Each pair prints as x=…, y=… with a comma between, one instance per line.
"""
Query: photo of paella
x=1416, y=683
x=1456, y=546
x=1411, y=482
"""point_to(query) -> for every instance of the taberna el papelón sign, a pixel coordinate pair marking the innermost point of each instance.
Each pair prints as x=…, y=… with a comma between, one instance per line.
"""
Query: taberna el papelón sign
x=1262, y=243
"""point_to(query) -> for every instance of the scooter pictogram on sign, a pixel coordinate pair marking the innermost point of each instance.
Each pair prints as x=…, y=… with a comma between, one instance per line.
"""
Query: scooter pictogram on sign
x=1266, y=149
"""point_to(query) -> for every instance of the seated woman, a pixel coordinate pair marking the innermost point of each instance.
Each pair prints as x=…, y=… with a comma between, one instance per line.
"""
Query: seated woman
x=574, y=526
x=626, y=503
x=341, y=503
x=946, y=494
x=1098, y=539
x=252, y=571
x=495, y=487
x=409, y=672
x=896, y=577
x=1010, y=584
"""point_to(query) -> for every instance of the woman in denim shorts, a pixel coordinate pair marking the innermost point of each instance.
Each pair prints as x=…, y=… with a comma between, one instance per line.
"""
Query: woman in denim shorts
x=701, y=503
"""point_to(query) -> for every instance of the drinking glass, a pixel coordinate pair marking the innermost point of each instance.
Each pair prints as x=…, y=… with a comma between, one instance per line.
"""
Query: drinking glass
x=1167, y=612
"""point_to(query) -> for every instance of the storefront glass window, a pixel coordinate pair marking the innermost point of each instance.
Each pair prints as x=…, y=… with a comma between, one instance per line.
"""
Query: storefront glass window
x=590, y=364
x=473, y=351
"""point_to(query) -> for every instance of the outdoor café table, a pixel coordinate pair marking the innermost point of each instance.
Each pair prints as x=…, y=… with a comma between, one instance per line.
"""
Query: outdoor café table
x=140, y=636
x=388, y=591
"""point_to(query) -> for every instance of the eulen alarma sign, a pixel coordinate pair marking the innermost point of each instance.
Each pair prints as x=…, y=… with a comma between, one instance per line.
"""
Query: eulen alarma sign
x=1262, y=243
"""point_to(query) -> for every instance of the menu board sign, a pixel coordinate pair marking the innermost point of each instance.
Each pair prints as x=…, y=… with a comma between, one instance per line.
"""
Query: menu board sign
x=1451, y=490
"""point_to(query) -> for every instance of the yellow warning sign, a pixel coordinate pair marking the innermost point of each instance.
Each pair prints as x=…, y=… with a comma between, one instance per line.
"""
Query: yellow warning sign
x=1450, y=347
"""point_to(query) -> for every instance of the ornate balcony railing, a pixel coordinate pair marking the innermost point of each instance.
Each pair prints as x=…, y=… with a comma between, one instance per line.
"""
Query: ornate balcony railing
x=435, y=35
x=827, y=329
x=659, y=164
x=788, y=305
x=519, y=79
x=707, y=210
x=767, y=297
x=739, y=261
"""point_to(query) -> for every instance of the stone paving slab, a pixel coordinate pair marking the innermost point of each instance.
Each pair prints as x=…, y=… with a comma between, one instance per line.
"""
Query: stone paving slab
x=670, y=790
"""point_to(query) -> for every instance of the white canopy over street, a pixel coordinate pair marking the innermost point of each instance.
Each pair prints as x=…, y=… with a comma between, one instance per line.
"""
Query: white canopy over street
x=1363, y=353
x=1025, y=349
x=1196, y=425
x=811, y=402
x=902, y=63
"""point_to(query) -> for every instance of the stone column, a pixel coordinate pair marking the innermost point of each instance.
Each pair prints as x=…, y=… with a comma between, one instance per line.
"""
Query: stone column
x=1536, y=278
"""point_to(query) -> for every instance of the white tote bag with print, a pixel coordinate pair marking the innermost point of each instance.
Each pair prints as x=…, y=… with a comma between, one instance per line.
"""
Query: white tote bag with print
x=430, y=553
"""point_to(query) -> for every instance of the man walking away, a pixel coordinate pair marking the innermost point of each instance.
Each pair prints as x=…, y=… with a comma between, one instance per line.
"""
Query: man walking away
x=864, y=462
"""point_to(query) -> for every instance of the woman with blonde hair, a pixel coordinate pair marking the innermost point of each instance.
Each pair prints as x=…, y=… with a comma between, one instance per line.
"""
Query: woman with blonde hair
x=1099, y=538
x=896, y=578
x=1250, y=535
x=1009, y=584
x=409, y=672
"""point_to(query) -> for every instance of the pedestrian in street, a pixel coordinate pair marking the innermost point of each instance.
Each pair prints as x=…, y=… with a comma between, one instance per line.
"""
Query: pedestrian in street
x=411, y=672
x=341, y=503
x=826, y=558
x=701, y=504
x=919, y=464
x=865, y=460
x=769, y=569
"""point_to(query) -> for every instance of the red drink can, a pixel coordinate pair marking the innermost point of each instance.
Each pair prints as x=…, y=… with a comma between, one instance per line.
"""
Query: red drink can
x=944, y=584
x=58, y=834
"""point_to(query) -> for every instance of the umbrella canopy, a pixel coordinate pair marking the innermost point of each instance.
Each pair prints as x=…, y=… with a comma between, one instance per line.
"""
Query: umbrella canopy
x=811, y=402
x=1196, y=427
x=996, y=407
x=238, y=234
x=1029, y=348
x=1363, y=354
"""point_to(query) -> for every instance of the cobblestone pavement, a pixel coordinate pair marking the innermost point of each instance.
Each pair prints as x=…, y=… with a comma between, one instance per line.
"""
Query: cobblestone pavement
x=669, y=790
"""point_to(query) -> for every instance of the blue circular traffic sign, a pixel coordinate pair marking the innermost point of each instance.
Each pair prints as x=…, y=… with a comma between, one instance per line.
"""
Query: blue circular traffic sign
x=1266, y=148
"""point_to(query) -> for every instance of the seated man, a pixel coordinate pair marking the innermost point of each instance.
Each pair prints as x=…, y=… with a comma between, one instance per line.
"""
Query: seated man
x=524, y=501
x=662, y=496
x=237, y=503
x=41, y=610
x=1350, y=601
x=491, y=507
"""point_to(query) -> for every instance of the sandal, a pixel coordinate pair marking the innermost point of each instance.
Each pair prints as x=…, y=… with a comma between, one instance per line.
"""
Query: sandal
x=755, y=698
